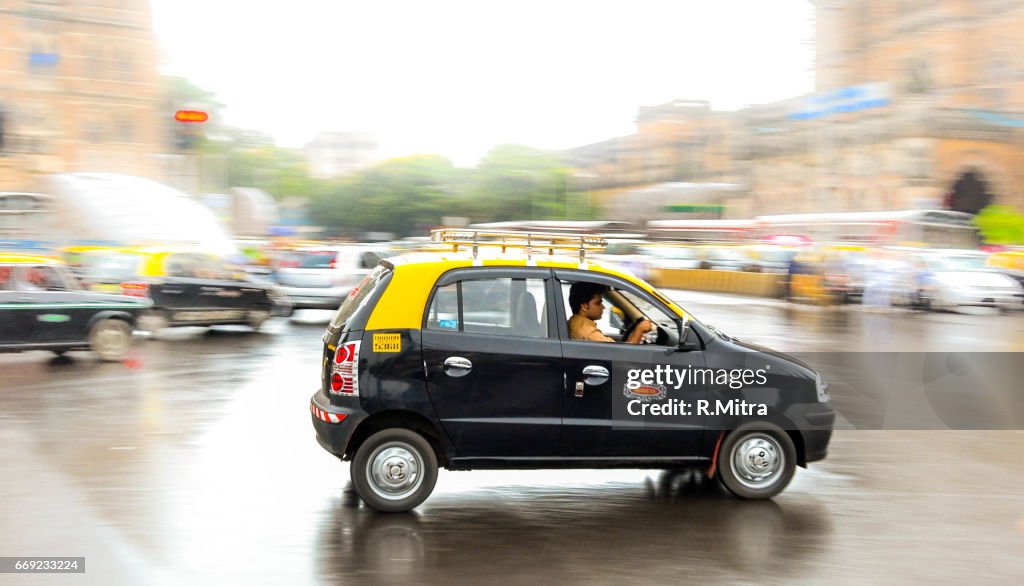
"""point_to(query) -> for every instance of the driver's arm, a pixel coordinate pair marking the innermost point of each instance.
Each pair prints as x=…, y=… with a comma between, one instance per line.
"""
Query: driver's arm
x=637, y=335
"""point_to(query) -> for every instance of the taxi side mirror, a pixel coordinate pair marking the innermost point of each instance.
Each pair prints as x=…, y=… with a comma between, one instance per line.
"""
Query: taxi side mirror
x=689, y=341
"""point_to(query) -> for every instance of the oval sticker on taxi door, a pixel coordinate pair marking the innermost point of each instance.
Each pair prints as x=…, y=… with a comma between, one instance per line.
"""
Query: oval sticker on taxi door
x=387, y=342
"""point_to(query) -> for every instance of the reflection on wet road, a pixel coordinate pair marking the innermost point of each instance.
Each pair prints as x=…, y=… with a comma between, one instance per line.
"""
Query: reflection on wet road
x=659, y=527
x=196, y=461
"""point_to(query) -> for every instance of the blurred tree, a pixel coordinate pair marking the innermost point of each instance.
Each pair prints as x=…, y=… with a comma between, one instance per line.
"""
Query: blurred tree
x=1001, y=225
x=406, y=196
x=180, y=93
x=515, y=182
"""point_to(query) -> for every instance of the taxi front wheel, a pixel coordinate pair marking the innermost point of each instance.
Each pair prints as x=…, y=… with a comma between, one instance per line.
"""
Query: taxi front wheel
x=394, y=470
x=757, y=460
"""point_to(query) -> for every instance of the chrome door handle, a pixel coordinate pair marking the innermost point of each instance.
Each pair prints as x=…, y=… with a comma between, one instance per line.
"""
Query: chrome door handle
x=457, y=366
x=595, y=375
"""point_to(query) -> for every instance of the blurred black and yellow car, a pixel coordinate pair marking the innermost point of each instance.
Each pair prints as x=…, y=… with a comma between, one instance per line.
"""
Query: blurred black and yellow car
x=42, y=307
x=187, y=287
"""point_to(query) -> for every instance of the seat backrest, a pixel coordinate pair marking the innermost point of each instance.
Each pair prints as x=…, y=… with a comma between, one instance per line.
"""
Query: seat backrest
x=525, y=317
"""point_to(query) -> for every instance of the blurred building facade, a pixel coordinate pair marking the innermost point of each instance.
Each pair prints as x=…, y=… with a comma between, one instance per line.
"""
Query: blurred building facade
x=917, y=105
x=678, y=147
x=79, y=89
x=336, y=154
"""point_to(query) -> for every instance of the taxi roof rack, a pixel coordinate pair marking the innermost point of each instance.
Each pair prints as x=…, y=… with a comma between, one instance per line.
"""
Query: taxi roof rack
x=529, y=241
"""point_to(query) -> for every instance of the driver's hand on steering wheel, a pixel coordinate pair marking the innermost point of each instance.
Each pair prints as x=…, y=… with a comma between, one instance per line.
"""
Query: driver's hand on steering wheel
x=645, y=325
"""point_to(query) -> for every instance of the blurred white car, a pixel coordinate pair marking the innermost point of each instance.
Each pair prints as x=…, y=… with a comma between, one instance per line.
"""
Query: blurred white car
x=718, y=257
x=628, y=254
x=672, y=257
x=957, y=279
x=322, y=277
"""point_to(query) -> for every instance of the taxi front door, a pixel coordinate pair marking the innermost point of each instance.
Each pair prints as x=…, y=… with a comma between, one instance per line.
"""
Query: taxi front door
x=603, y=419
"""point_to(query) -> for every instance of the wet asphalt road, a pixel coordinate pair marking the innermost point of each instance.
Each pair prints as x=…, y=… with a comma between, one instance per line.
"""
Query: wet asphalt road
x=195, y=461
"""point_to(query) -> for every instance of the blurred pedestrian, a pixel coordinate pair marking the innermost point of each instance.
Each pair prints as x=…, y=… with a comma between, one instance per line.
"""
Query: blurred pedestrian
x=879, y=277
x=792, y=267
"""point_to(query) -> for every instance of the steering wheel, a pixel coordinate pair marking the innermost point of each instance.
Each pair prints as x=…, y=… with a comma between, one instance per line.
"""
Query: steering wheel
x=632, y=326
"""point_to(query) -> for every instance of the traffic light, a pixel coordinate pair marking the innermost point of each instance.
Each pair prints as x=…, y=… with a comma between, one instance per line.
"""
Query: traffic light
x=188, y=128
x=195, y=116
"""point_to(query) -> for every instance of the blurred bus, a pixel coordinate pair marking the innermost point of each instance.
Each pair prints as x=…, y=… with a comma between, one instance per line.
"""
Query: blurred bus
x=702, y=230
x=26, y=221
x=103, y=209
x=933, y=228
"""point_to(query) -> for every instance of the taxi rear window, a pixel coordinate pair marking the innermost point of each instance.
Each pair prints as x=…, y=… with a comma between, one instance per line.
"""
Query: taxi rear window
x=359, y=295
x=108, y=267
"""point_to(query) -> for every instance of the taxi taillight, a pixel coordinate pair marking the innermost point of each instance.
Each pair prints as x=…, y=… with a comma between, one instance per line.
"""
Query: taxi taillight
x=345, y=370
x=135, y=289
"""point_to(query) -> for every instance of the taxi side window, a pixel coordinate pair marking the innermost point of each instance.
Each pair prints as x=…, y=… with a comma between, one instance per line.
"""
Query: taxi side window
x=444, y=311
x=38, y=278
x=501, y=306
x=6, y=283
x=181, y=265
x=604, y=324
x=197, y=266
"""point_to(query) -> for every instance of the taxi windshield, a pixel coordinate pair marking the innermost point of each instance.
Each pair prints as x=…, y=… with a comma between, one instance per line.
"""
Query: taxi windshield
x=109, y=267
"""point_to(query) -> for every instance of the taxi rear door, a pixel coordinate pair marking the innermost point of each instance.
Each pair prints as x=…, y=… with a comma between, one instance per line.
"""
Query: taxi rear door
x=14, y=315
x=494, y=364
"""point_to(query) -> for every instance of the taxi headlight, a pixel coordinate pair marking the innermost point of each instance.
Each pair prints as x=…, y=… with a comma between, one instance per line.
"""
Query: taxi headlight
x=822, y=388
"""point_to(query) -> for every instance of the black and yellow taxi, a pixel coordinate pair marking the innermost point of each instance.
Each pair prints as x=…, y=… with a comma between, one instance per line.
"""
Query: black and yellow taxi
x=463, y=359
x=187, y=286
x=42, y=307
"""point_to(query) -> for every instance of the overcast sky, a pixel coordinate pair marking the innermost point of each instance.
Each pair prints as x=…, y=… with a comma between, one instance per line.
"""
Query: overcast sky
x=458, y=77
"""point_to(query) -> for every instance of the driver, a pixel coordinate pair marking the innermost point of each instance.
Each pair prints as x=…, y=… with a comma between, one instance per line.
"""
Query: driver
x=587, y=301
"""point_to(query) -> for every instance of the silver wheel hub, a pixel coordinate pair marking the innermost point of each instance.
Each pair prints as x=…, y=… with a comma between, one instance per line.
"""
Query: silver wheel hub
x=758, y=460
x=111, y=339
x=394, y=471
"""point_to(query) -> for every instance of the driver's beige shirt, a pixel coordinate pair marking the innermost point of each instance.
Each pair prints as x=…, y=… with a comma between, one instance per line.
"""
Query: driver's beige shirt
x=584, y=328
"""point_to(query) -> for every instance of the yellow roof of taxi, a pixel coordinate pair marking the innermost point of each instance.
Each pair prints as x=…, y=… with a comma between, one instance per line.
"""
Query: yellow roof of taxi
x=9, y=258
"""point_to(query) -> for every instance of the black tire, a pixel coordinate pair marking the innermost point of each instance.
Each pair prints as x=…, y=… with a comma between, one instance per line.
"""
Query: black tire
x=410, y=451
x=766, y=446
x=256, y=321
x=110, y=339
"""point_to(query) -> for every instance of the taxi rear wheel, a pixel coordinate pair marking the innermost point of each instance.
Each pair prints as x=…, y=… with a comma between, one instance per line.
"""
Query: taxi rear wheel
x=110, y=339
x=757, y=460
x=257, y=319
x=394, y=470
